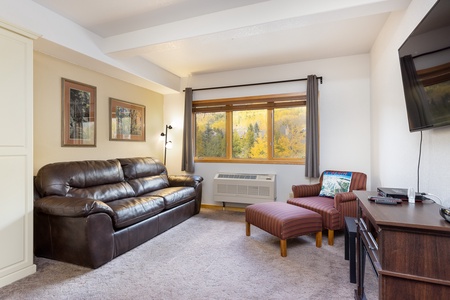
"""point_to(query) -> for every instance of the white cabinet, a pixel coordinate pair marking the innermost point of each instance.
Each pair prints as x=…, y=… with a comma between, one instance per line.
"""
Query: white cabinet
x=16, y=154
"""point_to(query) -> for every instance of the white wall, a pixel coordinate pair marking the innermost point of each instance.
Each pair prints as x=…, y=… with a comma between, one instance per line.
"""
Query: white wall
x=344, y=117
x=395, y=150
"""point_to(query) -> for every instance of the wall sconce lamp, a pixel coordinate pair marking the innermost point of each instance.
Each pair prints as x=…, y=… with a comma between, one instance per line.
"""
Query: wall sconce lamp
x=167, y=144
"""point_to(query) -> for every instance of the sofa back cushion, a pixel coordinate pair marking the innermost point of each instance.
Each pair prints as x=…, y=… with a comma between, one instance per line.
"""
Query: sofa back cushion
x=144, y=174
x=95, y=179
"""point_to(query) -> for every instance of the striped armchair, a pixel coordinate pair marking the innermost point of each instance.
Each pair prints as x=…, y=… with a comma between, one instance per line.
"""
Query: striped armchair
x=332, y=210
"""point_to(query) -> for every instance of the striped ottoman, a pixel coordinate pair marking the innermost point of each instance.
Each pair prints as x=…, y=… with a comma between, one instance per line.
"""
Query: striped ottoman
x=284, y=221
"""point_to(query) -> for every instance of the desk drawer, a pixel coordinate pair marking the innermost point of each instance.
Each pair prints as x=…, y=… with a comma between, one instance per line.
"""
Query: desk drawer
x=370, y=244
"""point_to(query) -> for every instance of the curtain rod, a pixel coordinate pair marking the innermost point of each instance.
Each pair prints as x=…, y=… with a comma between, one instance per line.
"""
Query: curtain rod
x=250, y=84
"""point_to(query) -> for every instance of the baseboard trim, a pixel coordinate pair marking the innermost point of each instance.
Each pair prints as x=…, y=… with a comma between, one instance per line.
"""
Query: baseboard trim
x=219, y=207
x=19, y=274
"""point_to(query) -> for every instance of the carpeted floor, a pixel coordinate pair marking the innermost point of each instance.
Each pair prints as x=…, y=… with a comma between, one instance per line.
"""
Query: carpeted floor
x=206, y=257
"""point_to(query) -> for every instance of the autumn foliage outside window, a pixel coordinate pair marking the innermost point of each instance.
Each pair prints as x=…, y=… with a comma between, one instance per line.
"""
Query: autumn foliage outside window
x=259, y=129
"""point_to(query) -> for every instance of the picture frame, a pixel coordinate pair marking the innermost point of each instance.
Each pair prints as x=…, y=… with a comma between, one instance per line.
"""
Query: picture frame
x=79, y=110
x=127, y=121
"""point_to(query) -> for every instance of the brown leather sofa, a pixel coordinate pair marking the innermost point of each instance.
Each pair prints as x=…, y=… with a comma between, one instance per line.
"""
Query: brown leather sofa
x=89, y=212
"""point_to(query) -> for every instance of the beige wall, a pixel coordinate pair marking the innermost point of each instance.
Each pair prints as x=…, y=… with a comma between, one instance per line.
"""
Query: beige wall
x=48, y=72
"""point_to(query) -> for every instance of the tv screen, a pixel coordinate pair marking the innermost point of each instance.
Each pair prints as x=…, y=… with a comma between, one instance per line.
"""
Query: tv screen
x=425, y=67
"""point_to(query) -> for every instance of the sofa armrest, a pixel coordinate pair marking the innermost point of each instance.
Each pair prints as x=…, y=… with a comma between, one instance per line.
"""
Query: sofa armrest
x=185, y=180
x=70, y=207
x=306, y=190
x=194, y=181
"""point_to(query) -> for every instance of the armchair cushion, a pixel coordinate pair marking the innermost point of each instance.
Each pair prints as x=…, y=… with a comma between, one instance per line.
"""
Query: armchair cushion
x=334, y=182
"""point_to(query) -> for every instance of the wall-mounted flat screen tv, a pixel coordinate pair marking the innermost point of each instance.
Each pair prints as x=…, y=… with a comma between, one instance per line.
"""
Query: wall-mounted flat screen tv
x=425, y=68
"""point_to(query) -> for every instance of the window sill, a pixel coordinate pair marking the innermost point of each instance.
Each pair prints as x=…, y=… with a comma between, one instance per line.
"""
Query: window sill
x=251, y=161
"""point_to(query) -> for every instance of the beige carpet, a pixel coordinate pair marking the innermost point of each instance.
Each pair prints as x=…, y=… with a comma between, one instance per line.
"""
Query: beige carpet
x=206, y=257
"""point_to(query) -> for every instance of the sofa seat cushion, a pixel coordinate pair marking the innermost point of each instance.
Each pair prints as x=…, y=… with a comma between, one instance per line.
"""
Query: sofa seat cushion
x=174, y=196
x=130, y=211
x=322, y=205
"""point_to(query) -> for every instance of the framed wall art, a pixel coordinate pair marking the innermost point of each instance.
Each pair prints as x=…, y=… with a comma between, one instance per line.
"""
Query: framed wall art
x=127, y=122
x=79, y=102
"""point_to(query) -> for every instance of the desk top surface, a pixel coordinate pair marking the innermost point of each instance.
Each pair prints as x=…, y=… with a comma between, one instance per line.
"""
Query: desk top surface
x=421, y=215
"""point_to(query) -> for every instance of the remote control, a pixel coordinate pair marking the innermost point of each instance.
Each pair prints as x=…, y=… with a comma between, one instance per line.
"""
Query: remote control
x=374, y=198
x=386, y=201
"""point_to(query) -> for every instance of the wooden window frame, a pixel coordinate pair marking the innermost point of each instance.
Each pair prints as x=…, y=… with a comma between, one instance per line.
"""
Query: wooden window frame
x=229, y=105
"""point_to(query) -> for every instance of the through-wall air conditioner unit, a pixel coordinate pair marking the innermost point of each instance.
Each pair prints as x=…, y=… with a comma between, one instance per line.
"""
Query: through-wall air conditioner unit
x=244, y=188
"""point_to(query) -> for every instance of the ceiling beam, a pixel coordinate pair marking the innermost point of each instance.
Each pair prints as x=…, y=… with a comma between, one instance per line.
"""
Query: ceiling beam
x=300, y=13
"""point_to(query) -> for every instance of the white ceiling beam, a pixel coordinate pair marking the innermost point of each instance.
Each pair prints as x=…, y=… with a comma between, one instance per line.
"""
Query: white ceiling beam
x=265, y=12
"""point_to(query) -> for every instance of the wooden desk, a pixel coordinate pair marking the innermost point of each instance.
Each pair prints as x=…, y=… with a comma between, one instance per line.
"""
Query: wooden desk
x=409, y=246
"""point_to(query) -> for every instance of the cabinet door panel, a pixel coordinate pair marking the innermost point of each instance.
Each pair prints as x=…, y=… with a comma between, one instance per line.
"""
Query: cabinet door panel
x=16, y=156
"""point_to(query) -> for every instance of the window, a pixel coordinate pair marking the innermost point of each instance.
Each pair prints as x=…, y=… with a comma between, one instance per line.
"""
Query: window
x=260, y=129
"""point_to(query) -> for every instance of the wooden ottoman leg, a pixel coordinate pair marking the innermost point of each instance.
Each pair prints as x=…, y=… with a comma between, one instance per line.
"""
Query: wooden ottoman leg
x=283, y=247
x=247, y=228
x=319, y=239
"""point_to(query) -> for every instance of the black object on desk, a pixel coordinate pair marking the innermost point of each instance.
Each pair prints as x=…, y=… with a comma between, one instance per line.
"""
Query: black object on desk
x=350, y=246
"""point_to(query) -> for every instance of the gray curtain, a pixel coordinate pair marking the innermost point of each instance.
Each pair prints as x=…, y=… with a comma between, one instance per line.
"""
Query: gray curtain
x=187, y=159
x=312, y=128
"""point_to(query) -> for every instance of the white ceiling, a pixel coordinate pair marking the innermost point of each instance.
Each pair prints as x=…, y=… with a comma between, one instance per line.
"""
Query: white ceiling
x=189, y=37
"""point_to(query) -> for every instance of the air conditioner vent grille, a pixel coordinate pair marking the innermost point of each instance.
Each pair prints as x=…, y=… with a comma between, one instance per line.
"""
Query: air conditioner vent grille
x=238, y=176
x=244, y=188
x=264, y=191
